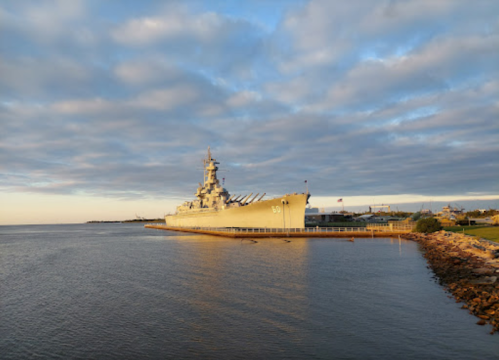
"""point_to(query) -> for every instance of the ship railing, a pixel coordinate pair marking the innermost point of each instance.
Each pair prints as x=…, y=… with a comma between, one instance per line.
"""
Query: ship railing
x=317, y=229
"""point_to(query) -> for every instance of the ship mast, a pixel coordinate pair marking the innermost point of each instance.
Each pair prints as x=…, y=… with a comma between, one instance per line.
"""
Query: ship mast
x=206, y=162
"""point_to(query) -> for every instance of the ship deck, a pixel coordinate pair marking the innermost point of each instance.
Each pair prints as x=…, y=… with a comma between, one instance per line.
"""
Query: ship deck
x=310, y=232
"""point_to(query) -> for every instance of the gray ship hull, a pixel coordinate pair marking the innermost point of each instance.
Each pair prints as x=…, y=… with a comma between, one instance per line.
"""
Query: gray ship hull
x=284, y=212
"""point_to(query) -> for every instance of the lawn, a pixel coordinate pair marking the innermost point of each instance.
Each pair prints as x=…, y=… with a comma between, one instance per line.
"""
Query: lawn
x=486, y=232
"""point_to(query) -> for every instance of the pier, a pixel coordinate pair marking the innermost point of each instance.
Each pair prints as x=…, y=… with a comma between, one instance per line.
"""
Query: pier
x=371, y=231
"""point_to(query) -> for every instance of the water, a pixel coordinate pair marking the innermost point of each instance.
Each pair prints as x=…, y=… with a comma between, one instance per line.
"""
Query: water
x=119, y=291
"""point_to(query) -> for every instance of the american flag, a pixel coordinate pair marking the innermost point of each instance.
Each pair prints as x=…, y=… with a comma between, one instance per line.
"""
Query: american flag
x=340, y=200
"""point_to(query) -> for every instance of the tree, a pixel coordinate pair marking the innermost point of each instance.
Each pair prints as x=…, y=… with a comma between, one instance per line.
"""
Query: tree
x=416, y=216
x=428, y=225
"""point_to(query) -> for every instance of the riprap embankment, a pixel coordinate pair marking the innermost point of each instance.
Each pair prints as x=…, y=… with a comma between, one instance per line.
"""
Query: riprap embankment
x=468, y=267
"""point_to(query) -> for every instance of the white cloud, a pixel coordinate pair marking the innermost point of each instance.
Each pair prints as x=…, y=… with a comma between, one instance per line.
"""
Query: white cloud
x=326, y=33
x=175, y=22
x=33, y=77
x=145, y=71
x=292, y=91
x=158, y=99
x=96, y=105
x=243, y=98
x=166, y=99
x=438, y=66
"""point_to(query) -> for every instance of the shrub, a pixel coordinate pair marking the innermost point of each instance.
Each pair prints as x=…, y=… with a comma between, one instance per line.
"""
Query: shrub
x=466, y=222
x=416, y=216
x=428, y=225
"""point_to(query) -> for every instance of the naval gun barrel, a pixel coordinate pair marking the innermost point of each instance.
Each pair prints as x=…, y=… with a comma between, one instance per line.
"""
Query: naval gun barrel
x=246, y=199
x=253, y=198
x=228, y=201
x=261, y=197
x=237, y=198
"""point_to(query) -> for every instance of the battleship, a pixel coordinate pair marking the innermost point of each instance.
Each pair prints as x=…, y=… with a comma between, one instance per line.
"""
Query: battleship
x=215, y=207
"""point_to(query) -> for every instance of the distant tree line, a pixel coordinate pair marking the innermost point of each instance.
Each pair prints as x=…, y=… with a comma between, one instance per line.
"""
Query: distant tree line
x=479, y=214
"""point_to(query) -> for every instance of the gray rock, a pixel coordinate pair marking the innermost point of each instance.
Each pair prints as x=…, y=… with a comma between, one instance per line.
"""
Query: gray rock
x=486, y=280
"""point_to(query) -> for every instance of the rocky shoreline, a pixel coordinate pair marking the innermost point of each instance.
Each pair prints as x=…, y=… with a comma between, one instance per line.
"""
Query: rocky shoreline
x=469, y=269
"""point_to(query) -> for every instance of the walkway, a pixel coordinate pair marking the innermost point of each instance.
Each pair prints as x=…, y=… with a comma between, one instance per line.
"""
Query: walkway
x=320, y=232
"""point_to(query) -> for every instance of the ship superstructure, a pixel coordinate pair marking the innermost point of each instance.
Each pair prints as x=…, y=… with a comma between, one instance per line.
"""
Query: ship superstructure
x=215, y=207
x=210, y=195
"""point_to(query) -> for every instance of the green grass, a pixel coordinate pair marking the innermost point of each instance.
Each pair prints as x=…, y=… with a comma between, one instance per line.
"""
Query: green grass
x=486, y=232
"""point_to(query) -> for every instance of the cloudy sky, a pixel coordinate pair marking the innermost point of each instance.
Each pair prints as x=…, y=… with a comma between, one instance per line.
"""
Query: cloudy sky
x=108, y=107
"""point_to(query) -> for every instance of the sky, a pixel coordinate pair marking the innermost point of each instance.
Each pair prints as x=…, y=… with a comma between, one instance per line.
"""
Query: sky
x=107, y=107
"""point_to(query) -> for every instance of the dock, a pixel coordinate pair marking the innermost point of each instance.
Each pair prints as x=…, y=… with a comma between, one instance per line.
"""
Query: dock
x=308, y=232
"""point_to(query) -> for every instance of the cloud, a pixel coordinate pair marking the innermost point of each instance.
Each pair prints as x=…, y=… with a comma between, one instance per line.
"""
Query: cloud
x=437, y=67
x=222, y=45
x=27, y=77
x=325, y=32
x=166, y=99
x=243, y=98
x=146, y=71
x=176, y=22
x=358, y=98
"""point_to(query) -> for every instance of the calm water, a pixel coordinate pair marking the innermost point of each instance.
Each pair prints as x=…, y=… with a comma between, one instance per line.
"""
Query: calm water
x=116, y=291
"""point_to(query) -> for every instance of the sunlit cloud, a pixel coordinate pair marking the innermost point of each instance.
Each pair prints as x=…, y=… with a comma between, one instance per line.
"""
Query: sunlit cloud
x=375, y=99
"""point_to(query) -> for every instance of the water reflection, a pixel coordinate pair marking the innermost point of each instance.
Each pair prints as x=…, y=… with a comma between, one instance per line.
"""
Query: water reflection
x=259, y=288
x=315, y=297
x=126, y=292
x=399, y=240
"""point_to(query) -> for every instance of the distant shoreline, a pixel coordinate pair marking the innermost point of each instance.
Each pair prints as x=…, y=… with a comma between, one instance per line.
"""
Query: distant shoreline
x=124, y=221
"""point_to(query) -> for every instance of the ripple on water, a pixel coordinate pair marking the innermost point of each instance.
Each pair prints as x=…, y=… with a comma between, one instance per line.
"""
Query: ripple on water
x=122, y=291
